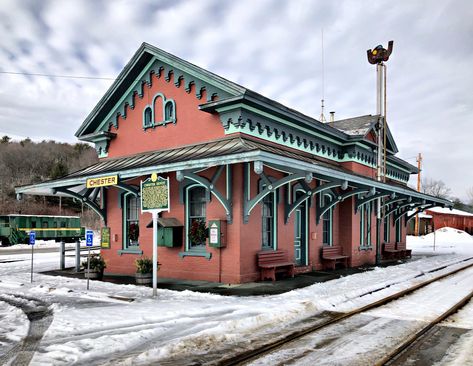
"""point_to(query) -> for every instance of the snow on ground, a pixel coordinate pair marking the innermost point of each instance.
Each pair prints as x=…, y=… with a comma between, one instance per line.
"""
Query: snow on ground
x=460, y=353
x=444, y=240
x=95, y=327
x=13, y=326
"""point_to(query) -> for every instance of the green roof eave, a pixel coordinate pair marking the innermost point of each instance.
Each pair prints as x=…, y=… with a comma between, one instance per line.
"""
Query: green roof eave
x=272, y=107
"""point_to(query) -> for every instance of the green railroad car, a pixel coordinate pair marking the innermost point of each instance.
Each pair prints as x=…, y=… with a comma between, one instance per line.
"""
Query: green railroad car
x=15, y=229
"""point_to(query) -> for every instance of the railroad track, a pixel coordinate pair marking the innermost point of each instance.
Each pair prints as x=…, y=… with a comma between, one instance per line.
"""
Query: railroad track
x=270, y=347
x=413, y=341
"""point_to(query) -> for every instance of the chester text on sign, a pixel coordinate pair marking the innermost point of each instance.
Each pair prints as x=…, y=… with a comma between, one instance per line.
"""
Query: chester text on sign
x=110, y=180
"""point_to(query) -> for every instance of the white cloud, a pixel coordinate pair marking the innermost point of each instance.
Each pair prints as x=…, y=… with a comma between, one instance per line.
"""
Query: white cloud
x=270, y=46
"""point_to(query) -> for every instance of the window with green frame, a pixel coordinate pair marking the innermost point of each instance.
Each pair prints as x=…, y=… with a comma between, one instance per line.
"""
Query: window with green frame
x=196, y=212
x=365, y=225
x=387, y=229
x=398, y=231
x=327, y=221
x=268, y=221
x=131, y=223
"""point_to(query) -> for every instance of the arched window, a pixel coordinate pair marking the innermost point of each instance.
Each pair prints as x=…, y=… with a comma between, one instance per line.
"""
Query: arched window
x=268, y=221
x=327, y=221
x=196, y=214
x=365, y=225
x=169, y=112
x=131, y=221
x=148, y=117
x=387, y=230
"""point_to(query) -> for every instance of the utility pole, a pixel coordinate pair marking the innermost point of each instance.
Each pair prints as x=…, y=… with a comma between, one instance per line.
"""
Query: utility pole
x=378, y=56
x=419, y=168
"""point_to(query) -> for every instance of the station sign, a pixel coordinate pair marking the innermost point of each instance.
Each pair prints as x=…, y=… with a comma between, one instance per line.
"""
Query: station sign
x=32, y=237
x=89, y=238
x=155, y=194
x=109, y=180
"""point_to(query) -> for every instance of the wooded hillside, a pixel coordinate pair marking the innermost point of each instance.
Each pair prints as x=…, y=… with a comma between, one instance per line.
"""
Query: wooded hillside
x=27, y=162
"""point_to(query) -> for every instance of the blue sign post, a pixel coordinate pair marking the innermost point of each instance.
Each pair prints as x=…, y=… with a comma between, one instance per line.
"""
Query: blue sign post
x=32, y=243
x=89, y=240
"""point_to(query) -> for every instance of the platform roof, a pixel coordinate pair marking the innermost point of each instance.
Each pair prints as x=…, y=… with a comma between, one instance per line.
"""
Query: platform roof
x=230, y=150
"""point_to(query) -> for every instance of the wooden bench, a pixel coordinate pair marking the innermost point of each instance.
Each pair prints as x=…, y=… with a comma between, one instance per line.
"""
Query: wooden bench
x=405, y=253
x=334, y=255
x=272, y=261
x=390, y=252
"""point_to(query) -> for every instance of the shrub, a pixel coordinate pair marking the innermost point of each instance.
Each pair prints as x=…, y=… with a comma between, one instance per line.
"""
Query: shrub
x=96, y=263
x=144, y=265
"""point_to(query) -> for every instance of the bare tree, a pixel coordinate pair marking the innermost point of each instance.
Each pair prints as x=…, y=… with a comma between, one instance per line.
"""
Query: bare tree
x=469, y=194
x=436, y=188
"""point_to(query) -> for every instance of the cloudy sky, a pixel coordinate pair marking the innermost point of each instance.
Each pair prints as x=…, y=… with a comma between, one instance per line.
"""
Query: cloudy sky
x=271, y=46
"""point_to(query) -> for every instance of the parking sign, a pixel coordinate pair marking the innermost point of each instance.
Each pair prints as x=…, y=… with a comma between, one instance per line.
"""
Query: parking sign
x=32, y=237
x=89, y=238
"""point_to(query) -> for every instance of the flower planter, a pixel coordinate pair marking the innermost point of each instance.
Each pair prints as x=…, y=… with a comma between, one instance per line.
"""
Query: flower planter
x=143, y=278
x=93, y=274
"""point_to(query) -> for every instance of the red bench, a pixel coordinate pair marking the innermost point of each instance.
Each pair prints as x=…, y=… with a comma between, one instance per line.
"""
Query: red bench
x=272, y=261
x=390, y=252
x=405, y=253
x=334, y=255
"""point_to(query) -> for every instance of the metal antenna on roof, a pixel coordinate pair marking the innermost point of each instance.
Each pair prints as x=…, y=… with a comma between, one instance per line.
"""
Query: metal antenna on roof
x=322, y=116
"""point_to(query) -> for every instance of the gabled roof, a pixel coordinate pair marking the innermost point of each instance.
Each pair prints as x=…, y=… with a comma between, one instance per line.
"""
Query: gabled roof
x=360, y=127
x=132, y=73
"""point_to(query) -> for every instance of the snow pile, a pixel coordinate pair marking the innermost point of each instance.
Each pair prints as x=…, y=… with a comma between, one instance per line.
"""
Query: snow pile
x=444, y=240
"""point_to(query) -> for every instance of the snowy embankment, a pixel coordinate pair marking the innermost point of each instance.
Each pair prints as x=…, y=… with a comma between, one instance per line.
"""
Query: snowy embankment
x=91, y=327
x=442, y=241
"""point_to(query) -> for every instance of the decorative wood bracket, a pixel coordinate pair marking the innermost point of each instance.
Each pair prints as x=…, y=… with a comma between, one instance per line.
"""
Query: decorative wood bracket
x=329, y=185
x=250, y=203
x=226, y=201
x=369, y=198
x=420, y=208
x=321, y=210
x=404, y=209
x=128, y=188
x=388, y=203
x=86, y=200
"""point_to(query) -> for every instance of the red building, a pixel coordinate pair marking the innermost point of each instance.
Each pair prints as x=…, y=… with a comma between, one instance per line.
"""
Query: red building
x=275, y=178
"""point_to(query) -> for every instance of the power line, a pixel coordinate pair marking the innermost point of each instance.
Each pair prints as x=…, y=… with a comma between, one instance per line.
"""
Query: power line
x=57, y=76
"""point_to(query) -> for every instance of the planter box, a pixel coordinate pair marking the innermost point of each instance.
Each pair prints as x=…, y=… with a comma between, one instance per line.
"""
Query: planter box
x=143, y=278
x=93, y=274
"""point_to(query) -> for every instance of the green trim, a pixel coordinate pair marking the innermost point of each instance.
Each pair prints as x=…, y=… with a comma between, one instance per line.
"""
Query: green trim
x=124, y=96
x=330, y=211
x=130, y=251
x=195, y=253
x=279, y=140
x=126, y=247
x=281, y=120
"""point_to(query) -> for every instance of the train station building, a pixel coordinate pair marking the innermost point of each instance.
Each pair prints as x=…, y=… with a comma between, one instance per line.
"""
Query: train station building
x=266, y=176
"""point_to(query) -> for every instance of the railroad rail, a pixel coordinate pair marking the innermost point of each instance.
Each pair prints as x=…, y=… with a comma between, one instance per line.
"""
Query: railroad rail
x=272, y=346
x=411, y=341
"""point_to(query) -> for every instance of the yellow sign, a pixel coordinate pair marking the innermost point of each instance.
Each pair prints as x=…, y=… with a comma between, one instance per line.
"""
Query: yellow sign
x=105, y=237
x=110, y=180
